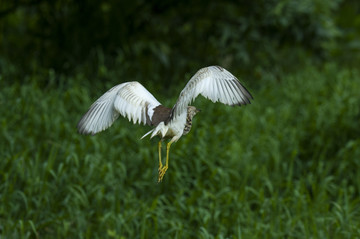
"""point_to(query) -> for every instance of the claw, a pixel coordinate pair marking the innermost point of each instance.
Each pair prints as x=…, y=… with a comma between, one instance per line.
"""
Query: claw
x=162, y=169
x=162, y=172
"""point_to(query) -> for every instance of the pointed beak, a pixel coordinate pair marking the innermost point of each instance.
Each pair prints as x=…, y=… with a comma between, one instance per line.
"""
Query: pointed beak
x=197, y=110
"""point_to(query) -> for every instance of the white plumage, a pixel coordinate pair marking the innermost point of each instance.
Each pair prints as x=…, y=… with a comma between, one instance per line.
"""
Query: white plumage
x=129, y=99
x=133, y=101
x=214, y=83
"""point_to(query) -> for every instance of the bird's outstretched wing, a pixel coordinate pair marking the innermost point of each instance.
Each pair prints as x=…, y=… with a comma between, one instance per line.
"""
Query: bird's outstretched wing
x=129, y=99
x=214, y=83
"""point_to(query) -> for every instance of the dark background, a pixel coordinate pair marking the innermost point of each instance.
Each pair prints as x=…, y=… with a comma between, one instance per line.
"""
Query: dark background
x=166, y=38
x=285, y=166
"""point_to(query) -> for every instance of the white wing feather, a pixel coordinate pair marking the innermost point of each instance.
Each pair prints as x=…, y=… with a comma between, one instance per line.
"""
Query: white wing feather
x=129, y=99
x=214, y=83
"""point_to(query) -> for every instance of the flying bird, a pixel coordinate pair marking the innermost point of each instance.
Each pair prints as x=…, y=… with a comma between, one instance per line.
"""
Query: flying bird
x=132, y=100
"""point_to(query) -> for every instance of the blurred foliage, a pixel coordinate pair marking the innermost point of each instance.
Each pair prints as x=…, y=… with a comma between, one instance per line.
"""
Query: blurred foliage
x=285, y=166
x=348, y=21
x=165, y=38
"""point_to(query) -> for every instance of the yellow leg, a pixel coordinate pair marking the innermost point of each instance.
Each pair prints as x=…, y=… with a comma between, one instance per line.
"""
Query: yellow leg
x=162, y=171
x=160, y=163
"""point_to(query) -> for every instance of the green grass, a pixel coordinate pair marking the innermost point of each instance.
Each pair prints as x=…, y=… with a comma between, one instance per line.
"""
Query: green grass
x=286, y=166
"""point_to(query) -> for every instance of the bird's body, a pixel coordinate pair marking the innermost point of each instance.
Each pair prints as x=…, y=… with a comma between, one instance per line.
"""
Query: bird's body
x=133, y=101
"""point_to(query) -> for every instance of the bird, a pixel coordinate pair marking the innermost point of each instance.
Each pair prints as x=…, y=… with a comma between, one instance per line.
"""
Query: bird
x=134, y=101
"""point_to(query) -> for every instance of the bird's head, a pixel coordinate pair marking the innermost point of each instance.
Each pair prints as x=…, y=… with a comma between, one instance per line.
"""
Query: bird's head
x=192, y=111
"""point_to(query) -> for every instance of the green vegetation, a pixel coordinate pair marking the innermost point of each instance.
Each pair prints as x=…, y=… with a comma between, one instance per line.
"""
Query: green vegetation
x=286, y=166
x=149, y=37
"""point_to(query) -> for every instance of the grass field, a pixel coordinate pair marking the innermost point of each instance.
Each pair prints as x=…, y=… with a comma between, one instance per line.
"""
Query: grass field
x=286, y=166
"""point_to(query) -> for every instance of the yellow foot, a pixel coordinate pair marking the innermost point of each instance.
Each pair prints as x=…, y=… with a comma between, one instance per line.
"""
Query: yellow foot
x=162, y=172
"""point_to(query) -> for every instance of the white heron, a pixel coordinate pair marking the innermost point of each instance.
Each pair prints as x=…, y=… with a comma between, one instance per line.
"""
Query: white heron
x=133, y=101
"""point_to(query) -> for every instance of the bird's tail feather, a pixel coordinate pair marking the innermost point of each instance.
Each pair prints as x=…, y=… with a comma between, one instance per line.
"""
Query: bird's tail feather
x=147, y=133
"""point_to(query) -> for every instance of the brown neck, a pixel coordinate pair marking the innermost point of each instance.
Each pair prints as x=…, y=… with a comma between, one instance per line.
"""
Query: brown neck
x=187, y=124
